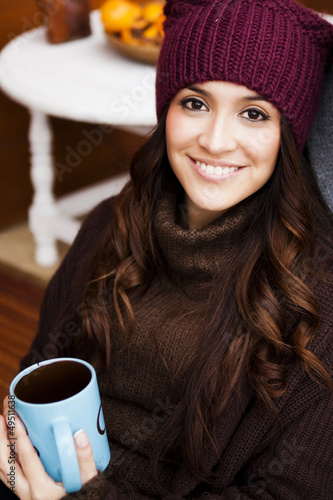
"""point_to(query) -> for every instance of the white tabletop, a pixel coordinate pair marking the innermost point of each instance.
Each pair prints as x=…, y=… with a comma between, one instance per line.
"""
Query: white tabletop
x=84, y=80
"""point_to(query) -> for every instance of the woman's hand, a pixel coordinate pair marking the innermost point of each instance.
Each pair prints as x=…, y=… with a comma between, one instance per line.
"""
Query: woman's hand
x=31, y=480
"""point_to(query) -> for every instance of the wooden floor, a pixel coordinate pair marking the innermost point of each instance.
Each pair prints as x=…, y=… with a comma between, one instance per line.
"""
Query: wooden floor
x=20, y=300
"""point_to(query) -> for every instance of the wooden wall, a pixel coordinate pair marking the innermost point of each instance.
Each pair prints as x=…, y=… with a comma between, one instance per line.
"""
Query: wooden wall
x=16, y=16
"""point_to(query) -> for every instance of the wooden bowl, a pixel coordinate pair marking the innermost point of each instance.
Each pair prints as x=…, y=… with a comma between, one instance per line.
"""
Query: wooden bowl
x=144, y=53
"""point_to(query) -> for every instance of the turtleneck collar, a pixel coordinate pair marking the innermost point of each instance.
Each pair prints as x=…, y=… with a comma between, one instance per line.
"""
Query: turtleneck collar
x=199, y=253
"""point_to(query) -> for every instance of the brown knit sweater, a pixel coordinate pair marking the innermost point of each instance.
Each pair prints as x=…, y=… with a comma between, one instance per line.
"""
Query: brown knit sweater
x=138, y=393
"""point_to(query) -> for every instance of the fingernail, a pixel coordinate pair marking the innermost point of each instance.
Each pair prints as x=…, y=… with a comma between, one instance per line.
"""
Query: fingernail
x=81, y=439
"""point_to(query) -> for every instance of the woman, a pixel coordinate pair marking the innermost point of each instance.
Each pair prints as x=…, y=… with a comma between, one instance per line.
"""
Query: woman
x=202, y=293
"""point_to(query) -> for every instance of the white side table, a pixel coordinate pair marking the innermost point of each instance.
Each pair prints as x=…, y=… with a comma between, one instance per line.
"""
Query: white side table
x=84, y=80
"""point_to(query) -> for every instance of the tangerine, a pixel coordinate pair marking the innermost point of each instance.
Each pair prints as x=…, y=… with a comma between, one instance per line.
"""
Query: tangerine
x=152, y=11
x=117, y=15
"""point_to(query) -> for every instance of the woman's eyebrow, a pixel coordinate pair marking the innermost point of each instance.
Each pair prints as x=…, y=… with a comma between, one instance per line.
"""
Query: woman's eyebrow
x=199, y=90
x=255, y=97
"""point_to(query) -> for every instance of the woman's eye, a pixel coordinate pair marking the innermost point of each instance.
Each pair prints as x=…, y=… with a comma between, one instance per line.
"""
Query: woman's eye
x=255, y=115
x=194, y=104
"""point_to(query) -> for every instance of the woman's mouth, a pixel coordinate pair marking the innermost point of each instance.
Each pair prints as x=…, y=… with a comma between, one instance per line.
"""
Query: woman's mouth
x=214, y=172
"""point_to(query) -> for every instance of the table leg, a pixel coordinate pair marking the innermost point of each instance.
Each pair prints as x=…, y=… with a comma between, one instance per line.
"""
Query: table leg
x=43, y=208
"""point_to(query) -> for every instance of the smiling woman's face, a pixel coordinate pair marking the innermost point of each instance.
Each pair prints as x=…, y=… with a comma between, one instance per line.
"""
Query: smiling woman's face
x=222, y=142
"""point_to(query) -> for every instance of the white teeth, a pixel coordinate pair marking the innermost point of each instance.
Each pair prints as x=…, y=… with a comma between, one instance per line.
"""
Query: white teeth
x=215, y=170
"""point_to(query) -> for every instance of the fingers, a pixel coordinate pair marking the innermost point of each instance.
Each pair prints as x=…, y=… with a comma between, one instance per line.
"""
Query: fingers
x=5, y=405
x=10, y=471
x=29, y=461
x=85, y=456
x=31, y=480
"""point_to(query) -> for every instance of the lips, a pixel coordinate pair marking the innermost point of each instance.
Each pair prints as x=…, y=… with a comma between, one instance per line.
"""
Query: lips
x=210, y=169
x=215, y=170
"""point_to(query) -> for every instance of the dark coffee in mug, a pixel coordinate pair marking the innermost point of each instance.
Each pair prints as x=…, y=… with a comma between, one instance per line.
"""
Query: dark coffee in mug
x=53, y=382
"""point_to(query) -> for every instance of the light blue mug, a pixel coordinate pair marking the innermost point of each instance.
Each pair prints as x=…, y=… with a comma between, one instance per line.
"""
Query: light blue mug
x=54, y=399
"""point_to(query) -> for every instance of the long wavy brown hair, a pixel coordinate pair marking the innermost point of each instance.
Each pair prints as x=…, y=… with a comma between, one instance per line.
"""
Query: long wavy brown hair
x=261, y=315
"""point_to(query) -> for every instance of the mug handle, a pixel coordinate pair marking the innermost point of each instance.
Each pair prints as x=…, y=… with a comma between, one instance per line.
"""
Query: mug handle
x=70, y=471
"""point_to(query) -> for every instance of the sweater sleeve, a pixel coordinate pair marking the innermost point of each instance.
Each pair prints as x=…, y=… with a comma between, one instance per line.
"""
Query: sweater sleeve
x=67, y=281
x=296, y=465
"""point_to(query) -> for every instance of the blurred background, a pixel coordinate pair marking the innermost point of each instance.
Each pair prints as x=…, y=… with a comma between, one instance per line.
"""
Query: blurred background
x=16, y=16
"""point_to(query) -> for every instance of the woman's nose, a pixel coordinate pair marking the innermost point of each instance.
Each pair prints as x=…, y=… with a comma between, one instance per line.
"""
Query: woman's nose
x=218, y=136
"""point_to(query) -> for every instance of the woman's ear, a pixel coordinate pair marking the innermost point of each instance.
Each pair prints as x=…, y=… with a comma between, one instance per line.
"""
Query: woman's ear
x=320, y=142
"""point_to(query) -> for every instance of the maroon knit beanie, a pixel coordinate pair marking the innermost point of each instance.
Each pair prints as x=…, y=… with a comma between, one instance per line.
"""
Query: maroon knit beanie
x=277, y=48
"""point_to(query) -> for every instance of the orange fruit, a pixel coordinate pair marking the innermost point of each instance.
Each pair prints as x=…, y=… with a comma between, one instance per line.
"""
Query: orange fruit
x=151, y=33
x=117, y=15
x=152, y=11
x=159, y=23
